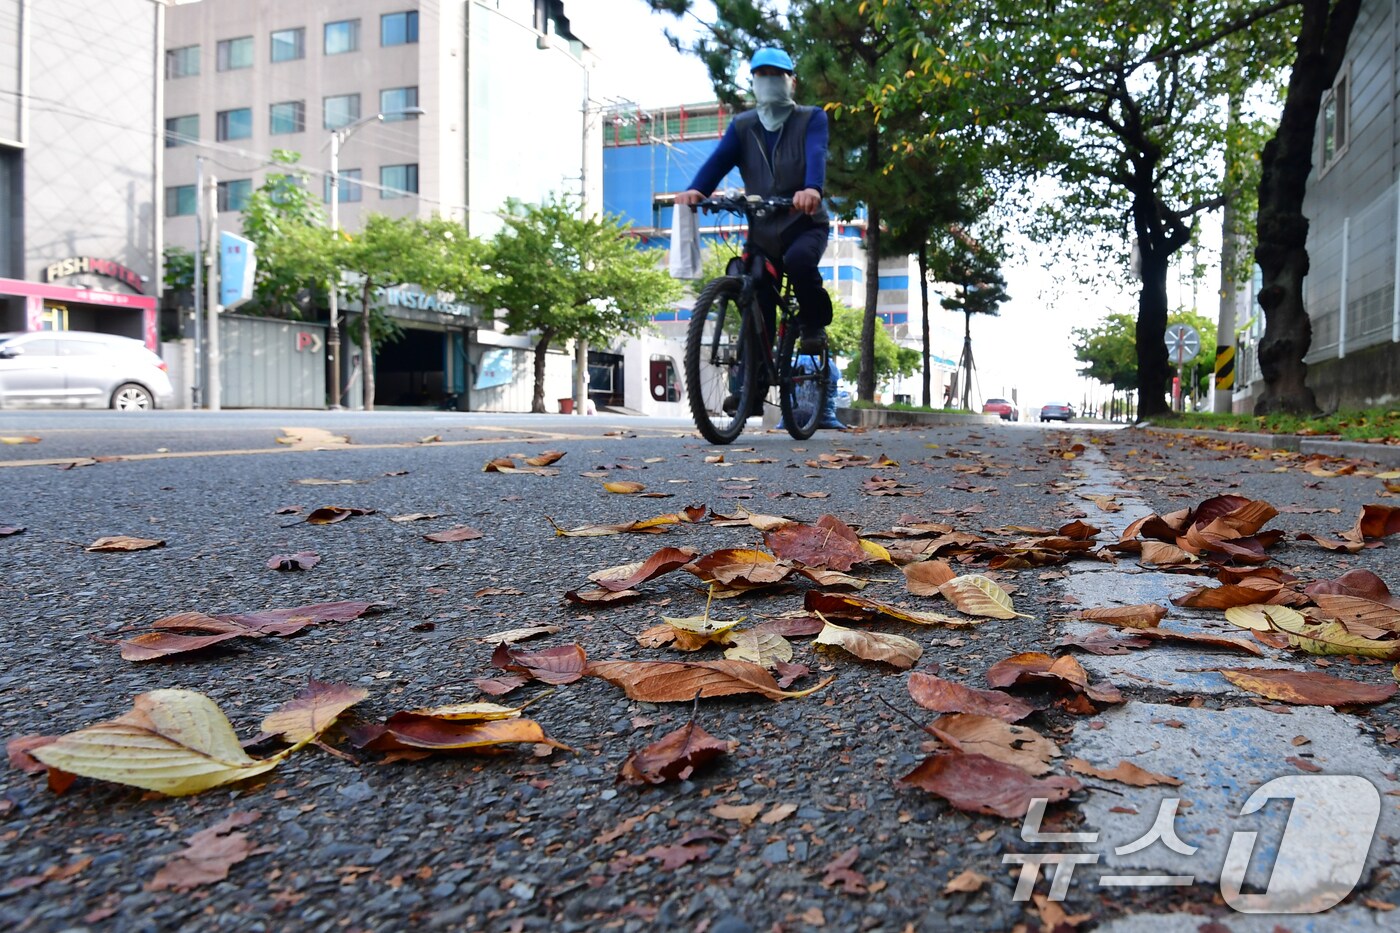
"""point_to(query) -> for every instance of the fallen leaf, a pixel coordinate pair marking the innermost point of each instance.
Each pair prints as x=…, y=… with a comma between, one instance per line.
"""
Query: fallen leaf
x=624, y=487
x=558, y=666
x=331, y=514
x=740, y=567
x=1125, y=772
x=745, y=813
x=681, y=681
x=7, y=530
x=511, y=636
x=839, y=871
x=967, y=882
x=766, y=649
x=545, y=458
x=207, y=857
x=414, y=733
x=1259, y=617
x=896, y=650
x=978, y=784
x=19, y=748
x=1145, y=615
x=778, y=813
x=943, y=696
x=976, y=595
x=690, y=848
x=175, y=742
x=301, y=560
x=627, y=576
x=830, y=544
x=1036, y=667
x=984, y=735
x=13, y=439
x=414, y=517
x=923, y=578
x=312, y=712
x=124, y=543
x=499, y=686
x=1307, y=688
x=498, y=591
x=848, y=606
x=460, y=533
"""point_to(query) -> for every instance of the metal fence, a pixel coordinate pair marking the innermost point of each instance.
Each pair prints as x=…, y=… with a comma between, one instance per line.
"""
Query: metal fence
x=1350, y=288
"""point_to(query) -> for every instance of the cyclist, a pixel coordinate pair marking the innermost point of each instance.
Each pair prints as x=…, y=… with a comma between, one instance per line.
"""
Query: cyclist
x=779, y=148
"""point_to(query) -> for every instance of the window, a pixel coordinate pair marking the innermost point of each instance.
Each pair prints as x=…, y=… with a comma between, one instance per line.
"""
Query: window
x=665, y=379
x=394, y=101
x=84, y=348
x=182, y=62
x=181, y=201
x=398, y=28
x=1336, y=121
x=288, y=45
x=350, y=189
x=181, y=131
x=287, y=117
x=397, y=181
x=233, y=124
x=342, y=36
x=339, y=111
x=235, y=53
x=233, y=195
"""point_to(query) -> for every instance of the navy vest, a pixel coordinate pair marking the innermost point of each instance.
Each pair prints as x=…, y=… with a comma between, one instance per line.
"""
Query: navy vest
x=781, y=175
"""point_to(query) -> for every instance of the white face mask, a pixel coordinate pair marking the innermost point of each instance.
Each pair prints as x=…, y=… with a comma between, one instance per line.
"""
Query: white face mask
x=773, y=94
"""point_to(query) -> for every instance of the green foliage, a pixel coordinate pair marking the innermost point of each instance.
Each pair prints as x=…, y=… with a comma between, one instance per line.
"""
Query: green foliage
x=178, y=263
x=972, y=268
x=843, y=336
x=295, y=250
x=1109, y=350
x=1351, y=425
x=563, y=277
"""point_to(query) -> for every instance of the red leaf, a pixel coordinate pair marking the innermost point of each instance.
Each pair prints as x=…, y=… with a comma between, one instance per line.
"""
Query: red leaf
x=978, y=784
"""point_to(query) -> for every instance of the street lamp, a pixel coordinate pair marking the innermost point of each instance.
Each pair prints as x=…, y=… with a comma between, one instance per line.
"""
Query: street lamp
x=338, y=138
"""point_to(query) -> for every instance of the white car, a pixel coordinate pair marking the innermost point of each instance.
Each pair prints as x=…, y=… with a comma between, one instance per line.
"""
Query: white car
x=81, y=369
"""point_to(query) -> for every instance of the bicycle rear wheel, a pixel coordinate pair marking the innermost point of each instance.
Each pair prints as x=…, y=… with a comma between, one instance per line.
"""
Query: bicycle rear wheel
x=802, y=384
x=721, y=362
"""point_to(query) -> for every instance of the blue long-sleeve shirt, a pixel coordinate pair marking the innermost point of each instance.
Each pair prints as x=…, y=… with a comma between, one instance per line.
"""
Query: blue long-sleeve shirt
x=726, y=156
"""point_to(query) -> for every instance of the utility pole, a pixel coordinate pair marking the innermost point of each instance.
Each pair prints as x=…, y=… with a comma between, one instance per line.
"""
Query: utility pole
x=212, y=374
x=587, y=210
x=333, y=332
x=197, y=390
x=1229, y=258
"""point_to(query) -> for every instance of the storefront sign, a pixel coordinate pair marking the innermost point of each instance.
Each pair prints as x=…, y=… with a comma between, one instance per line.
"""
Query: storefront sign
x=76, y=265
x=421, y=301
x=497, y=368
x=238, y=263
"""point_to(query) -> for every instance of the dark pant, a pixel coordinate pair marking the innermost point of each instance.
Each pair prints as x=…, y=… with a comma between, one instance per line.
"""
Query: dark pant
x=803, y=246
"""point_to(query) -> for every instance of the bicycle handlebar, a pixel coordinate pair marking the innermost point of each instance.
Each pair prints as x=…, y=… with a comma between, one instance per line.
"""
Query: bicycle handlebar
x=749, y=205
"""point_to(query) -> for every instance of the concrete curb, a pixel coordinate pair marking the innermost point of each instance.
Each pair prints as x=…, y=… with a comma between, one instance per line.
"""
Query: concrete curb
x=1383, y=454
x=885, y=418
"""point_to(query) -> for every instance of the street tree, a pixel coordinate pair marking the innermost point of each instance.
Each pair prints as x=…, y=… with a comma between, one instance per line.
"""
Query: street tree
x=1109, y=350
x=1323, y=31
x=295, y=249
x=844, y=338
x=973, y=269
x=563, y=277
x=436, y=254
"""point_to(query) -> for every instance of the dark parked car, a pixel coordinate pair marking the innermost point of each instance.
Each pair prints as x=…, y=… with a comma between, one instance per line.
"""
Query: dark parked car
x=81, y=369
x=1000, y=406
x=1056, y=412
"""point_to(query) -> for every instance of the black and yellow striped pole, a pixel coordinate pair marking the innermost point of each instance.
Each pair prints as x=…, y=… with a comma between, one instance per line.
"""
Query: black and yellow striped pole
x=1224, y=368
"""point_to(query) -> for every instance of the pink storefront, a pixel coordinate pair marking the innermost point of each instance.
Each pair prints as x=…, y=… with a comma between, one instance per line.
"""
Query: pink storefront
x=61, y=307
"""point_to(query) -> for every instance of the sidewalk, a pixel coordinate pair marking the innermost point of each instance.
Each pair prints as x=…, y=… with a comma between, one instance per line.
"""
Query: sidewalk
x=1381, y=453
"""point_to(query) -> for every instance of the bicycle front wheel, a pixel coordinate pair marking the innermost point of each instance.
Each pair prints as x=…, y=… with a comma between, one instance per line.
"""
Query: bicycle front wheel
x=802, y=384
x=721, y=362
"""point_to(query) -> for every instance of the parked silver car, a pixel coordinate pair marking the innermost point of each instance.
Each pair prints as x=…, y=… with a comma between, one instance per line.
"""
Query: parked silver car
x=81, y=369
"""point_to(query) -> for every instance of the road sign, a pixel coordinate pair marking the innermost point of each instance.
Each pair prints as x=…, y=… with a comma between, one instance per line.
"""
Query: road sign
x=1183, y=343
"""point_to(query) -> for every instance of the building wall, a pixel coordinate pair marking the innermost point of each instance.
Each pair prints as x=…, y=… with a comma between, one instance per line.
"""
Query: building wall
x=87, y=130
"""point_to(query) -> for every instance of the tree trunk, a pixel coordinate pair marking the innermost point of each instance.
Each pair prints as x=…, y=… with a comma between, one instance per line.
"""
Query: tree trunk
x=865, y=386
x=367, y=346
x=923, y=298
x=967, y=361
x=1282, y=226
x=1153, y=366
x=541, y=349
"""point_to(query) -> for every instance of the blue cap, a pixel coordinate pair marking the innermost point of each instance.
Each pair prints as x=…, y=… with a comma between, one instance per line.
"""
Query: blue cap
x=773, y=58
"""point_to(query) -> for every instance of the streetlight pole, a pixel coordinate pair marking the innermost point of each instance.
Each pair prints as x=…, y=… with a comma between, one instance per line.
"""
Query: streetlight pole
x=338, y=138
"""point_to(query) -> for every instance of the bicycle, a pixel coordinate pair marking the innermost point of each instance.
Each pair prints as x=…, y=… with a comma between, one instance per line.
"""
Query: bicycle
x=729, y=347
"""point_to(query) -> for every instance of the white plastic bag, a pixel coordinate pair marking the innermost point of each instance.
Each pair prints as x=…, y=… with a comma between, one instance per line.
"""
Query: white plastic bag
x=685, y=243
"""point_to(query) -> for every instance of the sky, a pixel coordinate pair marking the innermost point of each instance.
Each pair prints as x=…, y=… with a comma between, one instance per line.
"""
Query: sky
x=1026, y=348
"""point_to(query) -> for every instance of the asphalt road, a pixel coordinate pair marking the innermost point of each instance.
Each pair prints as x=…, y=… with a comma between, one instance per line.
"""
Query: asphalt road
x=520, y=840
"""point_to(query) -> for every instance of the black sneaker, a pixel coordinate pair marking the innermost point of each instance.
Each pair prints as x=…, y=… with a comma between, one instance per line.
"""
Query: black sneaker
x=730, y=404
x=813, y=340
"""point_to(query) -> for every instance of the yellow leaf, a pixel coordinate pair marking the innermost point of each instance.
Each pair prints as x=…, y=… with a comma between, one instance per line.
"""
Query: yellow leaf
x=976, y=595
x=876, y=551
x=1261, y=618
x=623, y=487
x=896, y=650
x=1332, y=638
x=480, y=711
x=765, y=649
x=175, y=742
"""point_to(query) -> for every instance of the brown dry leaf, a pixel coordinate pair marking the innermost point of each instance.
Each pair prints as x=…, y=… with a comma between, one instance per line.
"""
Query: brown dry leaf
x=409, y=735
x=1144, y=615
x=301, y=560
x=498, y=591
x=943, y=696
x=1307, y=688
x=599, y=595
x=976, y=595
x=1355, y=611
x=1037, y=667
x=1362, y=583
x=1161, y=554
x=207, y=856
x=562, y=665
x=923, y=578
x=967, y=882
x=312, y=712
x=414, y=517
x=742, y=813
x=460, y=533
x=681, y=681
x=1199, y=639
x=1245, y=593
x=830, y=544
x=978, y=784
x=511, y=636
x=624, y=487
x=545, y=458
x=499, y=686
x=740, y=568
x=778, y=813
x=1105, y=503
x=752, y=519
x=839, y=871
x=331, y=514
x=1125, y=772
x=18, y=751
x=674, y=757
x=848, y=606
x=124, y=543
x=690, y=848
x=508, y=465
x=984, y=735
x=896, y=650
x=627, y=576
x=659, y=524
x=172, y=635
